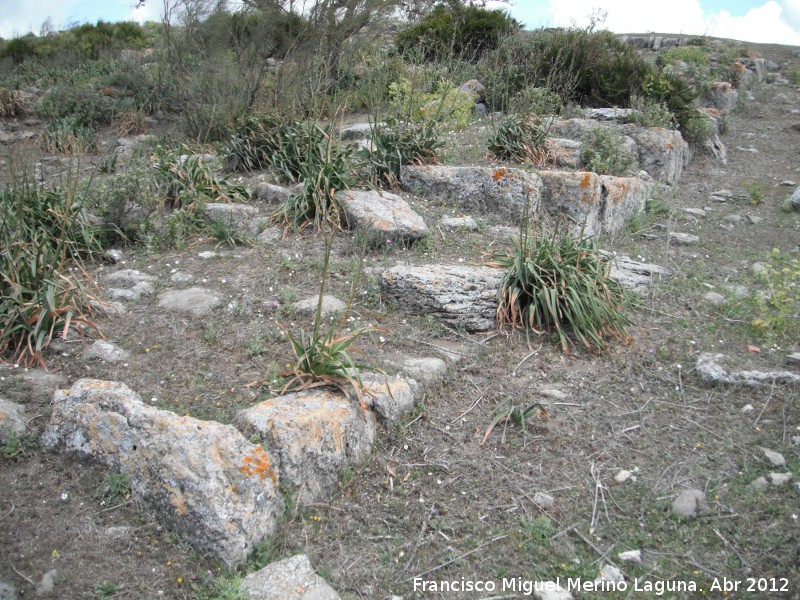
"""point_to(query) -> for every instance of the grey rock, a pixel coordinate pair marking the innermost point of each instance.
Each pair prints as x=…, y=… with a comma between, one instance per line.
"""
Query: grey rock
x=636, y=275
x=683, y=239
x=622, y=115
x=663, y=153
x=114, y=256
x=775, y=458
x=712, y=373
x=688, y=503
x=208, y=255
x=725, y=193
x=622, y=476
x=240, y=217
x=273, y=194
x=501, y=192
x=458, y=224
x=181, y=278
x=695, y=212
x=754, y=219
x=118, y=533
x=107, y=352
x=715, y=298
x=392, y=399
x=722, y=96
x=550, y=590
x=314, y=435
x=609, y=574
x=459, y=295
x=481, y=110
x=8, y=591
x=794, y=201
x=289, y=579
x=758, y=268
x=758, y=485
x=788, y=183
x=128, y=278
x=749, y=150
x=47, y=584
x=359, y=131
x=198, y=301
x=134, y=293
x=566, y=152
x=42, y=382
x=735, y=219
x=793, y=358
x=269, y=235
x=108, y=307
x=200, y=478
x=779, y=479
x=543, y=500
x=12, y=420
x=633, y=556
x=381, y=214
x=331, y=306
x=426, y=372
x=475, y=89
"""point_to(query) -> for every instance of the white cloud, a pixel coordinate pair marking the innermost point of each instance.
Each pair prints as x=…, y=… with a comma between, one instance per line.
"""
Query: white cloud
x=775, y=21
x=20, y=18
x=152, y=10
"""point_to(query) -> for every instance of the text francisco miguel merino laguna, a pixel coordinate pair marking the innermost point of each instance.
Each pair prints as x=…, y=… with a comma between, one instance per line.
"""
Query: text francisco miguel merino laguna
x=527, y=587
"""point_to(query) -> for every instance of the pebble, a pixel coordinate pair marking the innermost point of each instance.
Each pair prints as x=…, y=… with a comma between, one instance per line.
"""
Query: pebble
x=735, y=219
x=550, y=590
x=754, y=220
x=609, y=574
x=715, y=298
x=683, y=239
x=114, y=256
x=748, y=408
x=759, y=485
x=634, y=556
x=688, y=503
x=695, y=212
x=788, y=183
x=776, y=459
x=208, y=255
x=622, y=476
x=543, y=500
x=723, y=193
x=779, y=479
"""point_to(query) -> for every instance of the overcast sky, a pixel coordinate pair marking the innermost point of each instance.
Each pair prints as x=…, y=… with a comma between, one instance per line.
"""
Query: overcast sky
x=773, y=21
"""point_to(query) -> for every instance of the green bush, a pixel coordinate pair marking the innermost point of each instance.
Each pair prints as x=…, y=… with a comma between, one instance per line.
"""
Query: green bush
x=43, y=236
x=456, y=31
x=649, y=113
x=559, y=284
x=777, y=310
x=602, y=152
x=445, y=103
x=67, y=136
x=85, y=106
x=396, y=144
x=520, y=139
x=536, y=100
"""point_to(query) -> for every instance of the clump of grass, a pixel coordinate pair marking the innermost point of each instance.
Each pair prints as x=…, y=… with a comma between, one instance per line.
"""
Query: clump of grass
x=44, y=238
x=602, y=152
x=559, y=284
x=67, y=136
x=777, y=309
x=12, y=103
x=397, y=144
x=521, y=139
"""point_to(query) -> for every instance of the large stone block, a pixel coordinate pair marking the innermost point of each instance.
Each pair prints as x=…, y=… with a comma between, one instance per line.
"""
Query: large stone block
x=510, y=194
x=315, y=435
x=200, y=478
x=381, y=214
x=663, y=153
x=459, y=295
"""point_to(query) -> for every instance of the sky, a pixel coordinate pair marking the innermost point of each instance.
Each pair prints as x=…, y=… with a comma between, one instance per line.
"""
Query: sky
x=767, y=21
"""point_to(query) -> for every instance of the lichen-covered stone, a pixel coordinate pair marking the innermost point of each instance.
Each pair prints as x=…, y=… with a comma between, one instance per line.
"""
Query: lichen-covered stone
x=391, y=398
x=459, y=295
x=200, y=478
x=314, y=435
x=381, y=214
x=195, y=300
x=663, y=153
x=289, y=579
x=500, y=192
x=12, y=420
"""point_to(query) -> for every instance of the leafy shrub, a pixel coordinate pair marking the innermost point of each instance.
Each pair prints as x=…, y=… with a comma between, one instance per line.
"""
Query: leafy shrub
x=85, y=106
x=793, y=74
x=675, y=92
x=520, y=139
x=464, y=31
x=445, y=103
x=19, y=49
x=396, y=144
x=12, y=104
x=602, y=152
x=67, y=136
x=43, y=234
x=536, y=100
x=557, y=284
x=698, y=128
x=778, y=310
x=649, y=113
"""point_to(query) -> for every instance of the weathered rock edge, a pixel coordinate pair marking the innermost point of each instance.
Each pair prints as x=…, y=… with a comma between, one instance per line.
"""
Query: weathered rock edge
x=200, y=478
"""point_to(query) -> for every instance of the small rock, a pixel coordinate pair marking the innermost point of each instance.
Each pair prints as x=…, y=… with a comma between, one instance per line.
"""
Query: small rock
x=634, y=556
x=426, y=372
x=794, y=201
x=739, y=291
x=195, y=300
x=114, y=256
x=391, y=399
x=689, y=503
x=788, y=183
x=553, y=393
x=695, y=212
x=776, y=459
x=793, y=359
x=735, y=219
x=622, y=476
x=208, y=254
x=107, y=352
x=128, y=277
x=779, y=479
x=270, y=234
x=683, y=239
x=723, y=193
x=758, y=268
x=458, y=224
x=181, y=278
x=609, y=574
x=754, y=220
x=47, y=583
x=748, y=408
x=715, y=298
x=118, y=533
x=289, y=579
x=12, y=420
x=8, y=591
x=749, y=150
x=550, y=590
x=330, y=306
x=758, y=485
x=543, y=500
x=717, y=198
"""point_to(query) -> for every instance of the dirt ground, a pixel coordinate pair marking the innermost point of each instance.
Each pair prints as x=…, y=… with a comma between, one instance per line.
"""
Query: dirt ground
x=436, y=502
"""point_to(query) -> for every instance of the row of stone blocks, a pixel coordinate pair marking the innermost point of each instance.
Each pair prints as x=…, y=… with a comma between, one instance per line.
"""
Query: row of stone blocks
x=221, y=486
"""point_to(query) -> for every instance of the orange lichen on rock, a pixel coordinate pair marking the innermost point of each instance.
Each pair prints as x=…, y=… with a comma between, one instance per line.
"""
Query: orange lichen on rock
x=499, y=174
x=586, y=180
x=259, y=463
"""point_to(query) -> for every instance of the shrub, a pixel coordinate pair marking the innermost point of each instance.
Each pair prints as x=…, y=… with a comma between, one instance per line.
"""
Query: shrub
x=396, y=144
x=85, y=106
x=520, y=139
x=650, y=113
x=675, y=92
x=445, y=103
x=67, y=136
x=778, y=310
x=43, y=235
x=557, y=284
x=602, y=152
x=536, y=100
x=461, y=31
x=12, y=104
x=793, y=74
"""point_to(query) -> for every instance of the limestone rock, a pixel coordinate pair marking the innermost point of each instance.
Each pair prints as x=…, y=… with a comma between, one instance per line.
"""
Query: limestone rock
x=609, y=574
x=543, y=500
x=241, y=217
x=779, y=479
x=358, y=131
x=181, y=278
x=330, y=306
x=381, y=214
x=475, y=89
x=289, y=579
x=499, y=192
x=566, y=152
x=458, y=224
x=776, y=459
x=794, y=201
x=634, y=556
x=128, y=278
x=715, y=298
x=200, y=478
x=314, y=436
x=114, y=256
x=47, y=584
x=695, y=212
x=711, y=372
x=425, y=372
x=107, y=352
x=683, y=239
x=195, y=300
x=689, y=503
x=662, y=152
x=12, y=420
x=622, y=115
x=636, y=275
x=722, y=96
x=392, y=399
x=550, y=590
x=459, y=295
x=758, y=485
